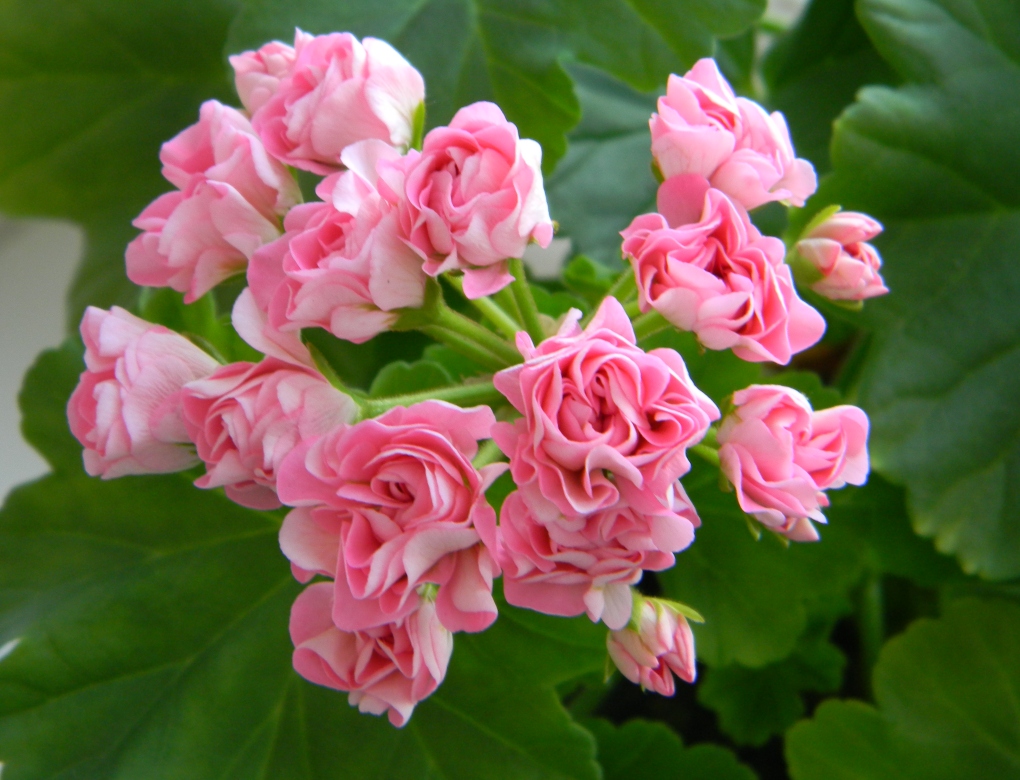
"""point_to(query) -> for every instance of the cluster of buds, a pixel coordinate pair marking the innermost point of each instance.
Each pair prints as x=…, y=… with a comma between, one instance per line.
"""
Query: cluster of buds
x=389, y=523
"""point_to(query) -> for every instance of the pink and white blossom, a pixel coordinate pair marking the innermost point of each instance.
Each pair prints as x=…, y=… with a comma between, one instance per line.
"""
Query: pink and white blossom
x=659, y=645
x=331, y=91
x=126, y=409
x=703, y=266
x=472, y=198
x=838, y=250
x=245, y=418
x=603, y=420
x=703, y=128
x=342, y=264
x=780, y=456
x=586, y=565
x=390, y=504
x=387, y=668
x=230, y=197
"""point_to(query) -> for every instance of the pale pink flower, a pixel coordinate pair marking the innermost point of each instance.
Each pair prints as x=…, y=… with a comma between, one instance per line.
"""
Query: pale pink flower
x=245, y=418
x=390, y=504
x=602, y=418
x=572, y=566
x=703, y=128
x=388, y=668
x=704, y=267
x=126, y=409
x=660, y=645
x=342, y=265
x=472, y=198
x=332, y=91
x=780, y=456
x=838, y=249
x=230, y=197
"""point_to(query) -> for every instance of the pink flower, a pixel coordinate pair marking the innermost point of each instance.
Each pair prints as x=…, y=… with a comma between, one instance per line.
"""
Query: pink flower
x=126, y=409
x=602, y=419
x=390, y=504
x=702, y=128
x=228, y=203
x=705, y=268
x=837, y=249
x=472, y=198
x=245, y=419
x=660, y=646
x=386, y=668
x=332, y=91
x=342, y=264
x=571, y=566
x=780, y=455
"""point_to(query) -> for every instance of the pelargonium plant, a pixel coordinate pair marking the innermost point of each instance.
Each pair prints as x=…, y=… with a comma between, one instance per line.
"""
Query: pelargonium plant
x=393, y=520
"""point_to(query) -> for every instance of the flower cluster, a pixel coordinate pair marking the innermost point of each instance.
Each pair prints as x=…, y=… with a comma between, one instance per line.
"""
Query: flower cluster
x=388, y=523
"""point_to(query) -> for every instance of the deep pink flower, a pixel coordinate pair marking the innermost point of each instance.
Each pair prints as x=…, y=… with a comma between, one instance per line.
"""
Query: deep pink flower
x=332, y=91
x=342, y=264
x=472, y=197
x=390, y=504
x=703, y=266
x=386, y=668
x=126, y=409
x=703, y=128
x=838, y=250
x=230, y=197
x=245, y=418
x=602, y=419
x=572, y=566
x=780, y=455
x=660, y=646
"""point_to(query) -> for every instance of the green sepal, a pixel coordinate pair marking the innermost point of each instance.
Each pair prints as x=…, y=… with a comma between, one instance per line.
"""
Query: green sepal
x=418, y=126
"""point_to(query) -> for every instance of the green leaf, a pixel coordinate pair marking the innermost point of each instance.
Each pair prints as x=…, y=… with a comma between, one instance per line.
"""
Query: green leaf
x=756, y=595
x=937, y=162
x=43, y=401
x=947, y=693
x=472, y=50
x=754, y=705
x=556, y=304
x=401, y=377
x=642, y=750
x=358, y=364
x=88, y=91
x=814, y=71
x=143, y=626
x=456, y=364
x=591, y=280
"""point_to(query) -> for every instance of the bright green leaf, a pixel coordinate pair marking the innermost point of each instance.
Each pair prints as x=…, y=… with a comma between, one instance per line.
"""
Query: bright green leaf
x=938, y=163
x=642, y=750
x=402, y=377
x=947, y=693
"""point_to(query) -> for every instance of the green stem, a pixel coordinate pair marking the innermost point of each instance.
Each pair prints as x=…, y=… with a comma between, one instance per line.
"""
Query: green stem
x=488, y=453
x=505, y=298
x=633, y=309
x=472, y=394
x=870, y=624
x=449, y=319
x=624, y=288
x=489, y=309
x=649, y=323
x=465, y=346
x=526, y=301
x=705, y=452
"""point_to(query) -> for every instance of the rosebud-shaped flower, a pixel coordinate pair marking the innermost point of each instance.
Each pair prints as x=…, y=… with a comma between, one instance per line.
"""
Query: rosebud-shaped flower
x=704, y=267
x=246, y=418
x=126, y=409
x=387, y=668
x=472, y=198
x=342, y=264
x=390, y=504
x=602, y=418
x=780, y=455
x=838, y=250
x=230, y=196
x=660, y=646
x=702, y=128
x=571, y=566
x=335, y=92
